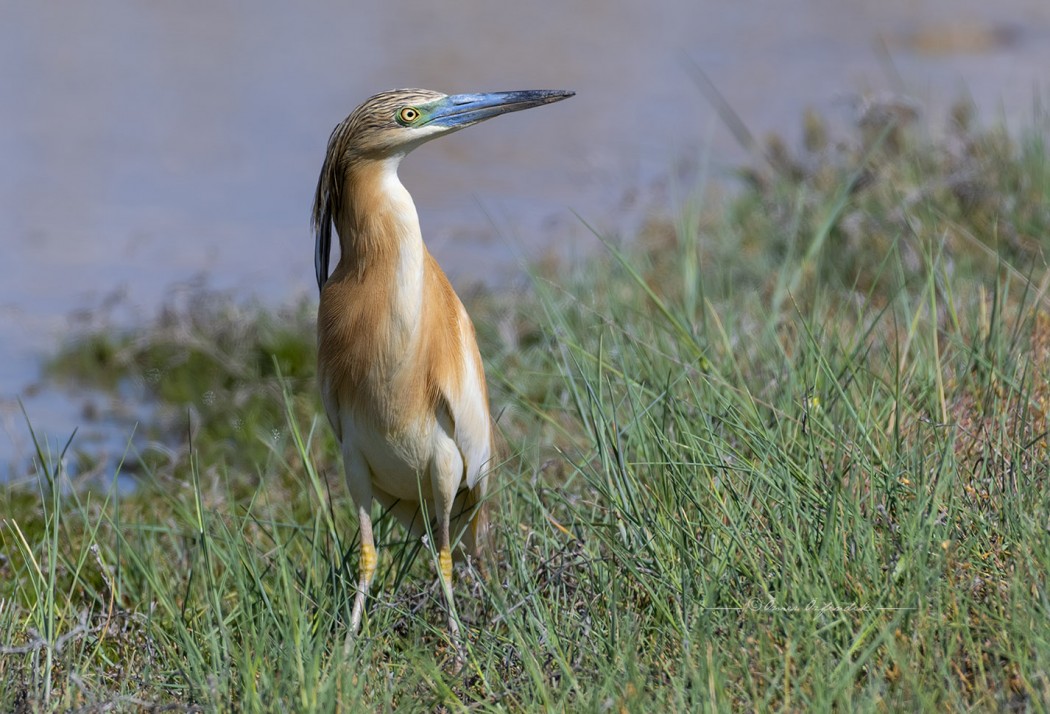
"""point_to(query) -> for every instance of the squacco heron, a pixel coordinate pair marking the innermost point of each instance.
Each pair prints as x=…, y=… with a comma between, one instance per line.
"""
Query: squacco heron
x=400, y=374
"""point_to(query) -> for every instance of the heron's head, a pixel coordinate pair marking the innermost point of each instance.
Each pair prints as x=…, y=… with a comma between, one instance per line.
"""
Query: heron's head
x=388, y=126
x=393, y=123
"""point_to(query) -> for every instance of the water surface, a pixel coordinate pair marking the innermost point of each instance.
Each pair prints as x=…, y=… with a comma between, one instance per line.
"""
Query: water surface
x=147, y=144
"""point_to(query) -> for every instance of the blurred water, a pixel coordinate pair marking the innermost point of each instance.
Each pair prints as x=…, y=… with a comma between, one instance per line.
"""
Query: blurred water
x=144, y=144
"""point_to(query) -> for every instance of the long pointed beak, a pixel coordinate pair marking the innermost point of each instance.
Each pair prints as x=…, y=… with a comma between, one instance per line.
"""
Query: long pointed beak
x=459, y=110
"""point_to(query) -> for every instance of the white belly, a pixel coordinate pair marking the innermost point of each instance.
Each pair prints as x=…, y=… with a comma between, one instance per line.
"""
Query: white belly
x=403, y=464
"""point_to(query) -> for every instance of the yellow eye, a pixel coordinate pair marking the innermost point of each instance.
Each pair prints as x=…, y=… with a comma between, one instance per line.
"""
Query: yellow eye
x=407, y=115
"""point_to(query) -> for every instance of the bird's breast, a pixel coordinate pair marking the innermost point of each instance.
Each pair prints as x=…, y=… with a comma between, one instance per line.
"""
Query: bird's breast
x=368, y=358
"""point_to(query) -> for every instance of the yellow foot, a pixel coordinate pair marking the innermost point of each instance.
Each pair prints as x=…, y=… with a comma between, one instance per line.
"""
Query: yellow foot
x=367, y=562
x=445, y=561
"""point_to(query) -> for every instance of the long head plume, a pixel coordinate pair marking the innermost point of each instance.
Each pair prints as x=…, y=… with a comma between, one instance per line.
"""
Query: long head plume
x=389, y=125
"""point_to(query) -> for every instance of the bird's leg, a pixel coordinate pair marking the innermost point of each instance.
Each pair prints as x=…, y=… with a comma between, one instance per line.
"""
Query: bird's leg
x=443, y=543
x=359, y=483
x=366, y=565
x=444, y=552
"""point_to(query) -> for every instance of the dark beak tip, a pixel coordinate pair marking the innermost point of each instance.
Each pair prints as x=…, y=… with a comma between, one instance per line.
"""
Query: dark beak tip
x=556, y=95
x=551, y=95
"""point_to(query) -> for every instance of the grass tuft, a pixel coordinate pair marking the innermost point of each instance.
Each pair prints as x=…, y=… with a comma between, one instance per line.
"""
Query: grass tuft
x=787, y=451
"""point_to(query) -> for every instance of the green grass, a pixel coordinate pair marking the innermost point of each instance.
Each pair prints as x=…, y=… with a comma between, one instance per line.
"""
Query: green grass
x=787, y=451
